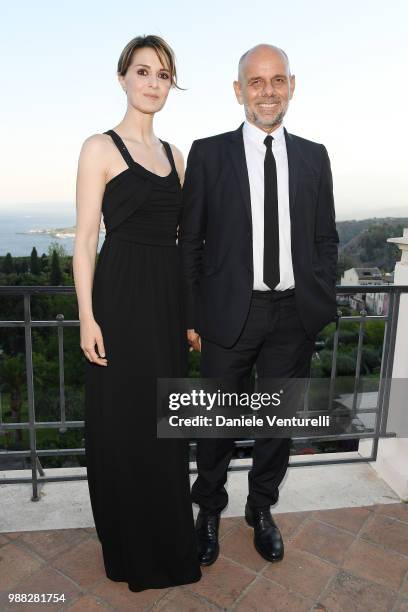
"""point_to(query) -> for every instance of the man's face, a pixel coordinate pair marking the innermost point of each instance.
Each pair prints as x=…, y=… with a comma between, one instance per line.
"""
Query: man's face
x=265, y=88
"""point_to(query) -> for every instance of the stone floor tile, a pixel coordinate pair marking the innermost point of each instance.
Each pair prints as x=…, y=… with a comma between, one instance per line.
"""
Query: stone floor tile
x=301, y=572
x=328, y=543
x=387, y=532
x=48, y=544
x=43, y=581
x=120, y=597
x=266, y=596
x=288, y=522
x=83, y=563
x=87, y=603
x=398, y=511
x=222, y=582
x=182, y=600
x=15, y=564
x=349, y=592
x=351, y=519
x=374, y=563
x=239, y=546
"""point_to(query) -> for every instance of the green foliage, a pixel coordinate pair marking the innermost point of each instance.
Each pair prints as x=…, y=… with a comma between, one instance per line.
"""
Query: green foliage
x=12, y=372
x=34, y=262
x=364, y=243
x=8, y=264
x=56, y=274
x=194, y=364
x=58, y=248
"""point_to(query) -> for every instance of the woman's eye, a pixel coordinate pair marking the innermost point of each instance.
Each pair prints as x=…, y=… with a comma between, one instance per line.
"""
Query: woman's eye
x=142, y=71
x=164, y=75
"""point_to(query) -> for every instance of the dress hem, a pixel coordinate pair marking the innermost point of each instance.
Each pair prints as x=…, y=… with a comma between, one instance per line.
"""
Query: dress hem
x=157, y=585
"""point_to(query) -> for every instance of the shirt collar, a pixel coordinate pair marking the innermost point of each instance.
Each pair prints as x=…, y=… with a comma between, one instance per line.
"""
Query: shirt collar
x=257, y=136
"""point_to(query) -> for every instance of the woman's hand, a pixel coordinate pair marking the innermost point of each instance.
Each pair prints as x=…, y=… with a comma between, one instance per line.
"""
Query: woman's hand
x=91, y=335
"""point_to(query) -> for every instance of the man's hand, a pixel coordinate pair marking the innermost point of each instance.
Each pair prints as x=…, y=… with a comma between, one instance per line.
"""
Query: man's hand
x=194, y=340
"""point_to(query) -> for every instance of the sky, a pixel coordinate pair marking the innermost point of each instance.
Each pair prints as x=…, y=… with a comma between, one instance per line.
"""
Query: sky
x=58, y=71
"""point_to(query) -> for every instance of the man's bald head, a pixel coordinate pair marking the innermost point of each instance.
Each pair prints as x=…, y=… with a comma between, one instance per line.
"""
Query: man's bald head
x=261, y=50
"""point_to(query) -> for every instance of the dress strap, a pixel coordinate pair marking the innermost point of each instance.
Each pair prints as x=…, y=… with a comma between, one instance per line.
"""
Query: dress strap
x=169, y=154
x=122, y=147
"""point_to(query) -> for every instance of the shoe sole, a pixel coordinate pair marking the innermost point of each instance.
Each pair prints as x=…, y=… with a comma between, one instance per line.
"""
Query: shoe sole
x=267, y=557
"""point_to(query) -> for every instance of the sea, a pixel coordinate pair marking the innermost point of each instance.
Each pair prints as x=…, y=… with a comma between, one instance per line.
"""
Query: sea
x=16, y=225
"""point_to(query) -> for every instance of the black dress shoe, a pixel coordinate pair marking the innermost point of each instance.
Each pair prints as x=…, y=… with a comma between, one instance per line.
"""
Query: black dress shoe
x=267, y=537
x=206, y=527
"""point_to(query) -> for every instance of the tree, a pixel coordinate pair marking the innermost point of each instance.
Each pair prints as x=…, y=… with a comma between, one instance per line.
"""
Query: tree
x=34, y=262
x=44, y=262
x=58, y=248
x=24, y=266
x=12, y=370
x=8, y=264
x=56, y=274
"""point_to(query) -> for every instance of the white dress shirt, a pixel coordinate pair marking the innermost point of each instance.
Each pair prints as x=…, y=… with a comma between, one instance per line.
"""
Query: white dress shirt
x=255, y=156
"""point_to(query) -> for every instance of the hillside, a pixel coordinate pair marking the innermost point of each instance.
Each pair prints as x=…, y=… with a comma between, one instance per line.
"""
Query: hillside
x=364, y=243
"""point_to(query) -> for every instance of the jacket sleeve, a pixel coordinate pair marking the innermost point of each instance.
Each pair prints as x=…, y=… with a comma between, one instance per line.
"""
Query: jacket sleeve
x=326, y=236
x=192, y=232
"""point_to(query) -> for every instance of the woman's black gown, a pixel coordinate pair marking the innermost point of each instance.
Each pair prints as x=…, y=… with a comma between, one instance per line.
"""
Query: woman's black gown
x=139, y=484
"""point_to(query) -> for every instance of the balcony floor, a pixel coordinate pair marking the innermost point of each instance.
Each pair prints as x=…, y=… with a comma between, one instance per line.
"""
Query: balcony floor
x=335, y=560
x=345, y=533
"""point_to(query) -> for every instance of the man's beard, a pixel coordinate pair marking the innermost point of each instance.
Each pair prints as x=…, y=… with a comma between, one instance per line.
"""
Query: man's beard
x=268, y=123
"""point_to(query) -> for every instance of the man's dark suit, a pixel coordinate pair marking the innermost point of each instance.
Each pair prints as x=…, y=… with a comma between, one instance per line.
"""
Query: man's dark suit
x=217, y=210
x=217, y=254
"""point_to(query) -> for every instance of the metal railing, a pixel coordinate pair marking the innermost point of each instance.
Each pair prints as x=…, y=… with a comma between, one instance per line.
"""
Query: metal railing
x=37, y=472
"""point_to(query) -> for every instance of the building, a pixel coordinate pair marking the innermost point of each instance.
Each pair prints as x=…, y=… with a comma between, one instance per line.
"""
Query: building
x=374, y=303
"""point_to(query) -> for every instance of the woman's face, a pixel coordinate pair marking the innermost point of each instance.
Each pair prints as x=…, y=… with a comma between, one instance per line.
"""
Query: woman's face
x=147, y=81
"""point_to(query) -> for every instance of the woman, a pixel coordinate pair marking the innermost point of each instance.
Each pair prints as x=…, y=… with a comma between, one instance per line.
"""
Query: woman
x=132, y=331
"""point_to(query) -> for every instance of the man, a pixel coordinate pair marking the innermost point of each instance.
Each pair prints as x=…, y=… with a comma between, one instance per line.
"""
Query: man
x=259, y=248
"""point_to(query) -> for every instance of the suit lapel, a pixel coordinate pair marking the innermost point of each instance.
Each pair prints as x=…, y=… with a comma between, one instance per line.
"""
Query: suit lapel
x=293, y=167
x=237, y=155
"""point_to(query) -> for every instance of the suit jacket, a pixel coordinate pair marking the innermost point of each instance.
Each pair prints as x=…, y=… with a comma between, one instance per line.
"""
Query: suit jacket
x=215, y=235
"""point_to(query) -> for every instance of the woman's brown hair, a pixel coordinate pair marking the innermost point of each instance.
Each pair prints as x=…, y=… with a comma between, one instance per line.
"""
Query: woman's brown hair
x=163, y=50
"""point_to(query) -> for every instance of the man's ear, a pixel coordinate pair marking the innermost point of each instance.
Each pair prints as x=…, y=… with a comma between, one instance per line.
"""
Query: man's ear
x=292, y=85
x=238, y=91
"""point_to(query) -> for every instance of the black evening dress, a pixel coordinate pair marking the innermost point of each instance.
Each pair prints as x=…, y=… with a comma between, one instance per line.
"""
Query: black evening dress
x=138, y=483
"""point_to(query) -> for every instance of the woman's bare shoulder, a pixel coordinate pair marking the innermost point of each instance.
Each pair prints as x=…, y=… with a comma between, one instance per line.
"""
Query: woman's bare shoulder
x=96, y=144
x=178, y=159
x=177, y=154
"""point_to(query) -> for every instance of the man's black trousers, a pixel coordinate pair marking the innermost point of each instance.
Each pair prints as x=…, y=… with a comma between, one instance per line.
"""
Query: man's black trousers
x=274, y=340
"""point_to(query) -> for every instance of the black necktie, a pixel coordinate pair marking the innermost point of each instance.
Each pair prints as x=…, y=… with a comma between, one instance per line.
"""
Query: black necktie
x=271, y=274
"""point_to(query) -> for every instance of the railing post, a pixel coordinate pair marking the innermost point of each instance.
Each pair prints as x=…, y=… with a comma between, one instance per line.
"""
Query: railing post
x=30, y=394
x=60, y=319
